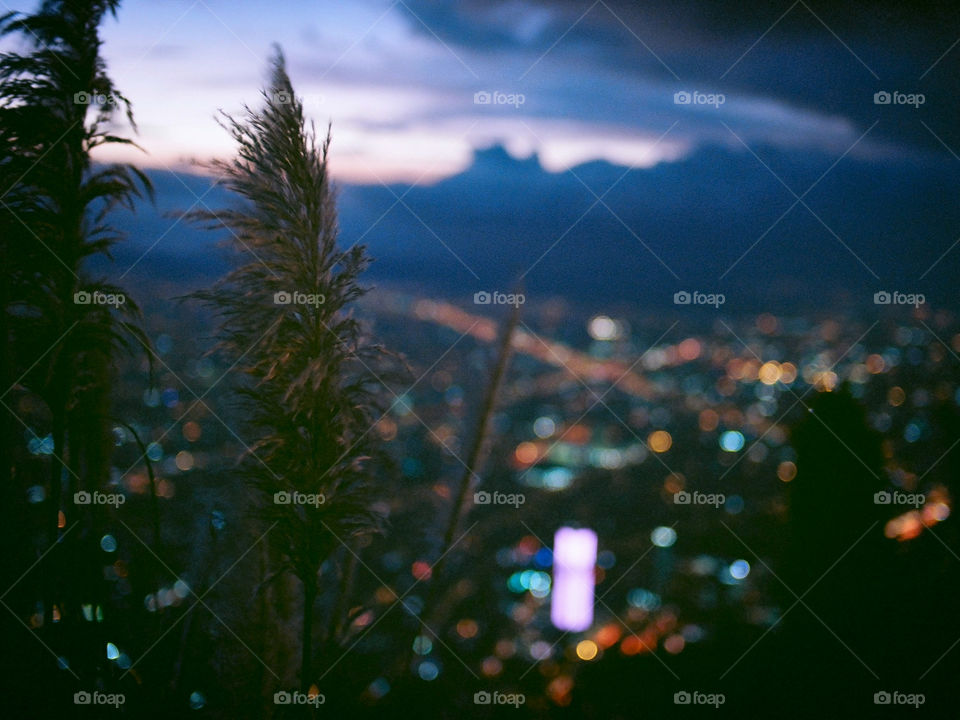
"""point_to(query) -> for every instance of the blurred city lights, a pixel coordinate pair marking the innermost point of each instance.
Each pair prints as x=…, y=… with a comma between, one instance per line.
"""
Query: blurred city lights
x=574, y=559
x=732, y=441
x=586, y=650
x=663, y=537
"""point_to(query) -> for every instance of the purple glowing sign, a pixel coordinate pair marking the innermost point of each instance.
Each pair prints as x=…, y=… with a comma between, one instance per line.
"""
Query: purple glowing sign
x=574, y=558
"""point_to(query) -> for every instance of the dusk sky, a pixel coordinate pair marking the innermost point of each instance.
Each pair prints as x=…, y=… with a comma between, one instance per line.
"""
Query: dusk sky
x=397, y=79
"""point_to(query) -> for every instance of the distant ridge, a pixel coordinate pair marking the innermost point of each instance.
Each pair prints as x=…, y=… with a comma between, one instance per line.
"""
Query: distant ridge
x=688, y=225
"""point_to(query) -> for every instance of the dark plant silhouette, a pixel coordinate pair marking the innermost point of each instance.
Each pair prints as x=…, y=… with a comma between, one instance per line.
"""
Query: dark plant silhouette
x=286, y=323
x=836, y=560
x=470, y=478
x=56, y=106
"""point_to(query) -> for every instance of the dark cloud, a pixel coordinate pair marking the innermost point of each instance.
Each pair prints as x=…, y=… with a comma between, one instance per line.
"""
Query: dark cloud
x=828, y=58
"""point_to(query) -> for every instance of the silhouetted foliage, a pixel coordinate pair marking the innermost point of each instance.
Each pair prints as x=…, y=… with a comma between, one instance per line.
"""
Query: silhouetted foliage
x=285, y=322
x=56, y=106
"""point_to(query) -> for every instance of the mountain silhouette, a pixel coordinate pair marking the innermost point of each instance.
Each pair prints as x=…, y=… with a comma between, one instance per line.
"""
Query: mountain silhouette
x=716, y=221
